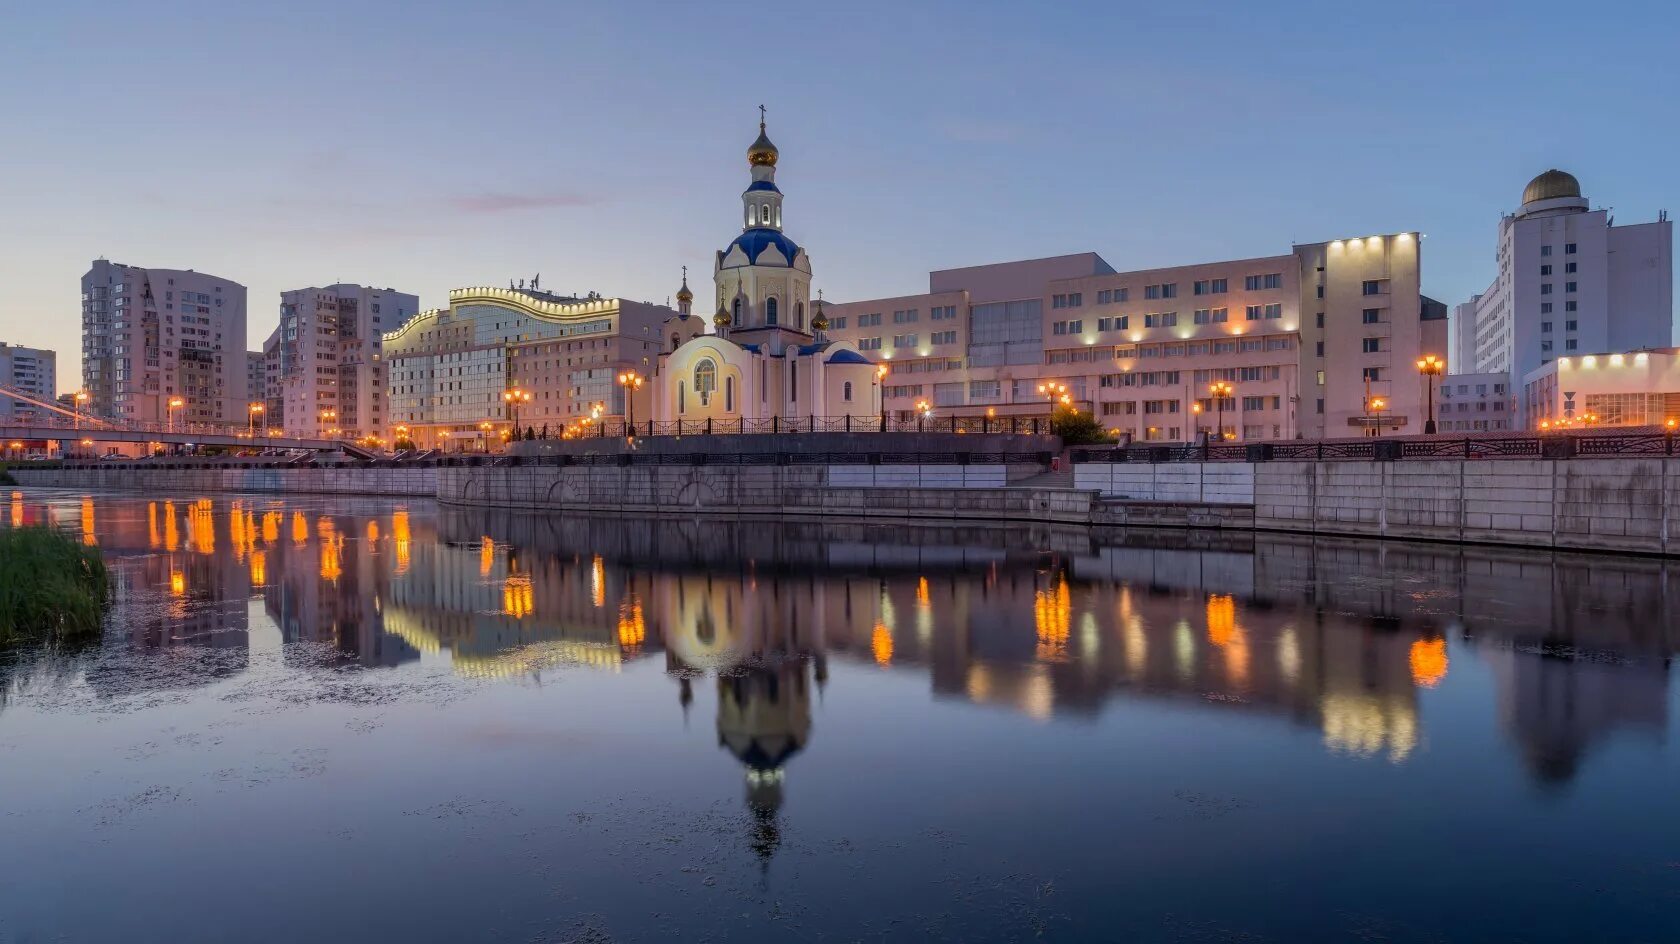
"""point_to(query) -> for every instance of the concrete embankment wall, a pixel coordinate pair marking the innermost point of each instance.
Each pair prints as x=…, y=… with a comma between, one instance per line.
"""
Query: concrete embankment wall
x=1621, y=504
x=406, y=483
x=945, y=491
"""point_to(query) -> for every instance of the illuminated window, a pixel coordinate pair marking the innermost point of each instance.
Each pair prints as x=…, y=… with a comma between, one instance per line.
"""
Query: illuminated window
x=705, y=379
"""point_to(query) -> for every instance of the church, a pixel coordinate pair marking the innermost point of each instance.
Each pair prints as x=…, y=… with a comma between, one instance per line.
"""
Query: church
x=768, y=356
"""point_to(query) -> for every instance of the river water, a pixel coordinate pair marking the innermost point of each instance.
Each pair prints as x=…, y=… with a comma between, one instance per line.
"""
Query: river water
x=324, y=719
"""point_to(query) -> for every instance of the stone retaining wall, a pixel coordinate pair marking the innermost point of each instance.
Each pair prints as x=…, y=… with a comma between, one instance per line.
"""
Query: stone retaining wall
x=405, y=483
x=760, y=489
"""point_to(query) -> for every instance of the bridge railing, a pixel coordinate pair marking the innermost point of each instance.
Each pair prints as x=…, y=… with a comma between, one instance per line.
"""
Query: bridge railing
x=780, y=425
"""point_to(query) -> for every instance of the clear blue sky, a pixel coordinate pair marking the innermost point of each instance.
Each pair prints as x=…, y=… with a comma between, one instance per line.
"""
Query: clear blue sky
x=426, y=145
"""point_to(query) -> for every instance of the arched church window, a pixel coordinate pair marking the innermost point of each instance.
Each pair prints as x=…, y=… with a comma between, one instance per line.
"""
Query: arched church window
x=770, y=311
x=752, y=214
x=778, y=216
x=705, y=379
x=729, y=394
x=767, y=214
x=847, y=392
x=799, y=315
x=737, y=312
x=682, y=397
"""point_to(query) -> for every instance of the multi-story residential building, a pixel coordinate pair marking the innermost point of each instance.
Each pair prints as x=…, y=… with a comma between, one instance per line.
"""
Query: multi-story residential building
x=1571, y=281
x=1633, y=388
x=1475, y=403
x=32, y=372
x=1461, y=350
x=1307, y=340
x=328, y=373
x=256, y=381
x=447, y=369
x=151, y=336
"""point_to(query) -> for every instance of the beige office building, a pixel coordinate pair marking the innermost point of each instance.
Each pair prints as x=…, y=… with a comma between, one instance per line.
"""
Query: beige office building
x=447, y=369
x=1310, y=341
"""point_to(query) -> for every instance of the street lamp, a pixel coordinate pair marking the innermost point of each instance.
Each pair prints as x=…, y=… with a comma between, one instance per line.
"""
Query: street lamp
x=1373, y=414
x=175, y=403
x=81, y=404
x=252, y=412
x=513, y=398
x=484, y=433
x=1431, y=367
x=1221, y=390
x=631, y=382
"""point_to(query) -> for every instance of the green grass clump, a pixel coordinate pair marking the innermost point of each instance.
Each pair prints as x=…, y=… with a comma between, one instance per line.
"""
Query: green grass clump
x=51, y=586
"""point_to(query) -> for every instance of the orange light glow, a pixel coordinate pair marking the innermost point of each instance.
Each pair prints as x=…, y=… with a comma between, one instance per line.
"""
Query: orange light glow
x=259, y=568
x=881, y=644
x=598, y=582
x=177, y=583
x=1429, y=662
x=632, y=626
x=518, y=598
x=486, y=556
x=1053, y=618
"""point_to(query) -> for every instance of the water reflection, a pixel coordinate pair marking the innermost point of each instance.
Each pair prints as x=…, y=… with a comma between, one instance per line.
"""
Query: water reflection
x=1339, y=637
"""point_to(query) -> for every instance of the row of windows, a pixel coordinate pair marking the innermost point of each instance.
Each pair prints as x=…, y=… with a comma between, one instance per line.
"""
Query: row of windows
x=907, y=316
x=1546, y=287
x=943, y=312
x=1257, y=282
x=1546, y=307
x=1257, y=312
x=1073, y=300
x=1569, y=325
x=1569, y=344
x=1568, y=268
x=1568, y=250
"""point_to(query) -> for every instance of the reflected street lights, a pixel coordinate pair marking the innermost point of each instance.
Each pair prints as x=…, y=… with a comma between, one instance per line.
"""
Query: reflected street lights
x=1431, y=367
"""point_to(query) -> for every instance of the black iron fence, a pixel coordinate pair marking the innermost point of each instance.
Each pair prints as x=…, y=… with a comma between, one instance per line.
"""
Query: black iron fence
x=1551, y=446
x=1019, y=425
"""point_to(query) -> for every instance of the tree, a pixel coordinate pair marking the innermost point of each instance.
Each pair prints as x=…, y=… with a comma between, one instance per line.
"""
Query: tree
x=530, y=434
x=1076, y=428
x=404, y=444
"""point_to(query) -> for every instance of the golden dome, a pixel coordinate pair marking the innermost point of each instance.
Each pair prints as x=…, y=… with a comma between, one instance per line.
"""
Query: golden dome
x=683, y=294
x=762, y=151
x=819, y=317
x=722, y=319
x=1552, y=185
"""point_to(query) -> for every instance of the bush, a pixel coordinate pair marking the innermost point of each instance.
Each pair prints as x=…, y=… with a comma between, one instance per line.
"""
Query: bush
x=1078, y=429
x=403, y=444
x=51, y=586
x=6, y=477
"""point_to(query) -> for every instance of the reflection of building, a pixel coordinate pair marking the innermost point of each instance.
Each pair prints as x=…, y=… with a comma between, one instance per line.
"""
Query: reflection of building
x=1558, y=704
x=764, y=649
x=325, y=581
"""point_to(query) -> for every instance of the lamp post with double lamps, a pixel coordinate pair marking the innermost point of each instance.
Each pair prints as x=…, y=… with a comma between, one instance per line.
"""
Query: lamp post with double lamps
x=1221, y=391
x=173, y=404
x=253, y=411
x=631, y=382
x=513, y=397
x=1431, y=367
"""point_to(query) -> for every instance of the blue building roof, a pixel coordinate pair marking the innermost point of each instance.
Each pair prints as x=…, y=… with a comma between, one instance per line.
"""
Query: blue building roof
x=762, y=185
x=755, y=241
x=844, y=356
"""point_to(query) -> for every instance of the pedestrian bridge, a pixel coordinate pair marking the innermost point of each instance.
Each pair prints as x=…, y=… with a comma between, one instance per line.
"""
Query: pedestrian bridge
x=49, y=421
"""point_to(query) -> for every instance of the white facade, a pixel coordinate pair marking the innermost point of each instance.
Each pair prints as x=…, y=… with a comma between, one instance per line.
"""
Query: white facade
x=1570, y=281
x=1475, y=403
x=1633, y=388
x=1461, y=352
x=32, y=372
x=150, y=335
x=770, y=358
x=329, y=373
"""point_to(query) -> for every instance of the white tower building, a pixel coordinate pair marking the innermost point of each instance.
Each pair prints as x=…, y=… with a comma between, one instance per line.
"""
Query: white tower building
x=1571, y=281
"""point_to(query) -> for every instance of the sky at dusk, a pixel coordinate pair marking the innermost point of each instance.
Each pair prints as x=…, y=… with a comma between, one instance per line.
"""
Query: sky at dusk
x=427, y=146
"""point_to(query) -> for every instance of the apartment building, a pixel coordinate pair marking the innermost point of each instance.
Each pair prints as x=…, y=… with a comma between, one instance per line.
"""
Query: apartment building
x=1305, y=340
x=31, y=371
x=447, y=369
x=328, y=374
x=151, y=337
x=1475, y=403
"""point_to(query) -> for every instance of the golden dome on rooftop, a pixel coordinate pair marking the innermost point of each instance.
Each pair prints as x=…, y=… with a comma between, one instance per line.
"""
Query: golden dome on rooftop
x=1552, y=185
x=722, y=319
x=683, y=294
x=762, y=151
